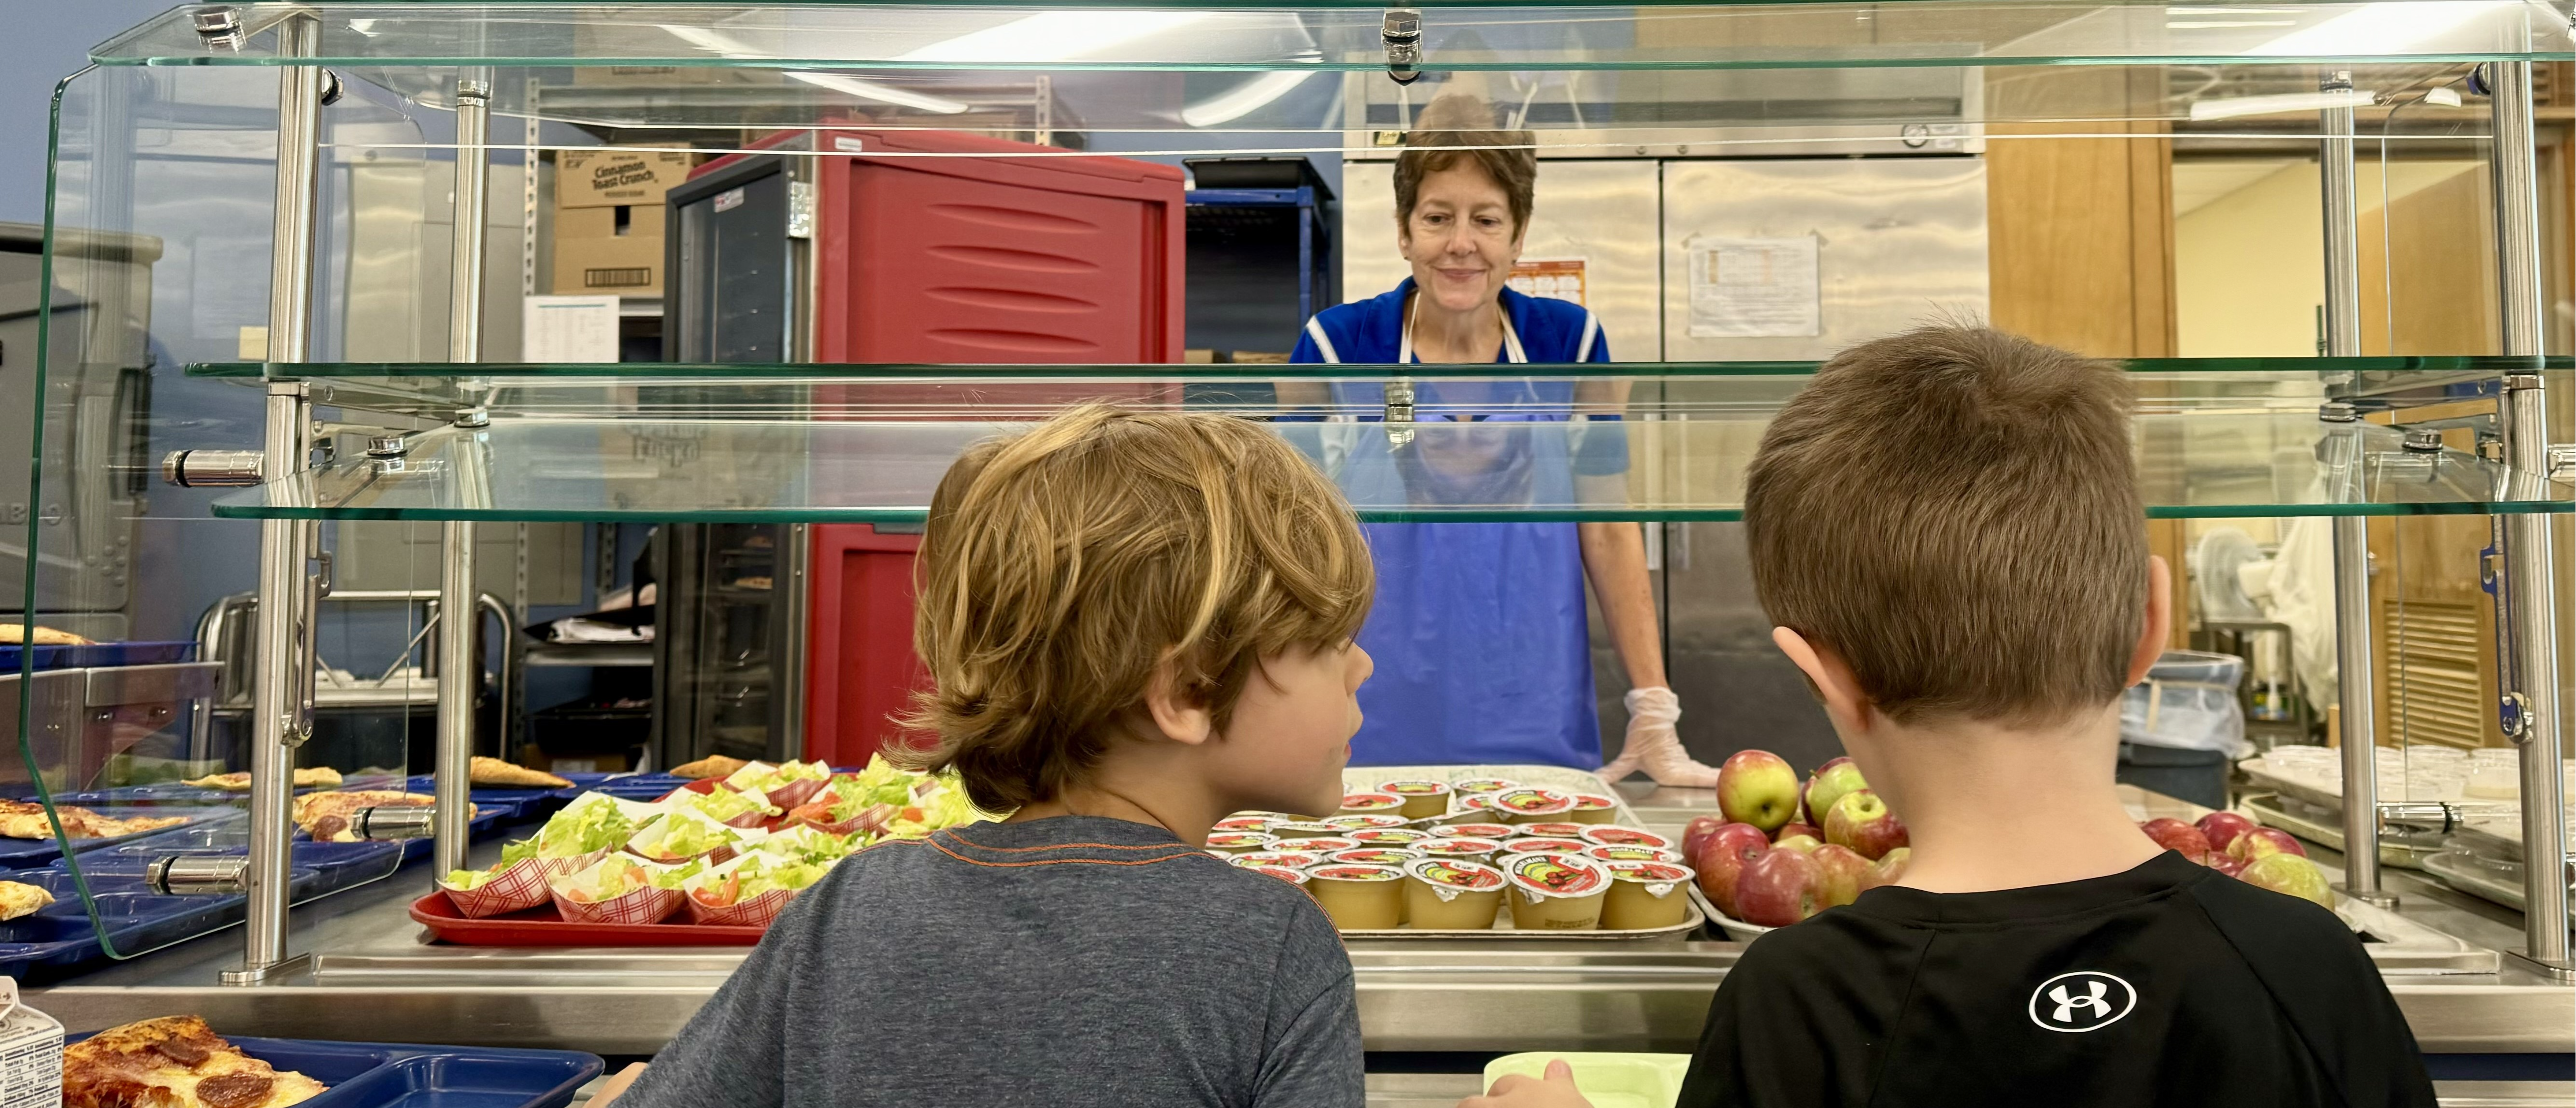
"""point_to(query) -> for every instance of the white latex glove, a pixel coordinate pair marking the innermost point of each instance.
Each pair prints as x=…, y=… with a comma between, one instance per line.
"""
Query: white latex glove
x=1654, y=744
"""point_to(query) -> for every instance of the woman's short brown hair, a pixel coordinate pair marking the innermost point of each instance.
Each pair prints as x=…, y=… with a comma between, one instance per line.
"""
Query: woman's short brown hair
x=1062, y=566
x=1459, y=130
x=1955, y=512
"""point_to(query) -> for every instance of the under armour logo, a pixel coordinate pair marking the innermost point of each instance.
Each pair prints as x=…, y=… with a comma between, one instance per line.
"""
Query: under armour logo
x=2085, y=1000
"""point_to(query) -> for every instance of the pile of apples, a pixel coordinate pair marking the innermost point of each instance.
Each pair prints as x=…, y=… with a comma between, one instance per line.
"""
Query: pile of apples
x=1784, y=852
x=2236, y=846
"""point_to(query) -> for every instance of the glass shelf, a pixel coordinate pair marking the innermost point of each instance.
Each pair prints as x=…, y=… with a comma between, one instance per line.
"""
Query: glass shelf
x=636, y=447
x=1344, y=35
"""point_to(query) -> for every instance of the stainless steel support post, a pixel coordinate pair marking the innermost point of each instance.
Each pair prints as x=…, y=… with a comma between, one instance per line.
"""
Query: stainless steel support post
x=2351, y=533
x=2529, y=714
x=460, y=662
x=278, y=720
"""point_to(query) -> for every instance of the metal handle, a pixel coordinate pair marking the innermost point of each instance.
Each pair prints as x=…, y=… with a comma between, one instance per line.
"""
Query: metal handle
x=212, y=469
x=395, y=823
x=2430, y=817
x=197, y=874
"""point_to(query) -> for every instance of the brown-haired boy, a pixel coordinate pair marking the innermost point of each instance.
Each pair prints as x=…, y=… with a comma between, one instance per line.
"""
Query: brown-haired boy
x=1946, y=529
x=1137, y=623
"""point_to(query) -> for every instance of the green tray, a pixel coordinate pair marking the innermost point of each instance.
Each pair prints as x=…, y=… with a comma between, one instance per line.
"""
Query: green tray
x=1607, y=1079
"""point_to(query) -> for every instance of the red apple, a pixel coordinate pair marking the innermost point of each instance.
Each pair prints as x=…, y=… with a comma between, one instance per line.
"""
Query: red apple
x=1887, y=870
x=2264, y=840
x=1841, y=871
x=2227, y=864
x=1779, y=888
x=1803, y=844
x=1698, y=832
x=2292, y=874
x=1801, y=827
x=2179, y=837
x=1861, y=821
x=1830, y=782
x=1756, y=787
x=2221, y=828
x=1720, y=860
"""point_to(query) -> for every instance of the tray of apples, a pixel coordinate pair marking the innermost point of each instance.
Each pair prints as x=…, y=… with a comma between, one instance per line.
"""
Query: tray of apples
x=1782, y=849
x=1767, y=862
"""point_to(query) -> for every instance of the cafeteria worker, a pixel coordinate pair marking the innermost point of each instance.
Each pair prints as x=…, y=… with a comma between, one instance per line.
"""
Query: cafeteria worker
x=1479, y=633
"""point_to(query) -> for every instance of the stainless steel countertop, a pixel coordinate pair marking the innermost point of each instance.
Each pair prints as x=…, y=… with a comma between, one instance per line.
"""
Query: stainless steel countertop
x=373, y=978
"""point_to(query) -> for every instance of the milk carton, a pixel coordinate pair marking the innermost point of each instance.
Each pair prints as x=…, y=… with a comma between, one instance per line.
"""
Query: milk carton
x=31, y=1053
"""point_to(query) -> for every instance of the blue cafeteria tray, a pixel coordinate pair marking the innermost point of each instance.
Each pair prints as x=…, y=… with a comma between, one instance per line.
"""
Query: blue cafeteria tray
x=37, y=853
x=144, y=795
x=387, y=1075
x=513, y=805
x=139, y=653
x=58, y=937
x=334, y=866
x=635, y=786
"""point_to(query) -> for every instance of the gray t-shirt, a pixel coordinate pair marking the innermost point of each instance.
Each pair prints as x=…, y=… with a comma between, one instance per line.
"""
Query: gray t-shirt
x=1060, y=963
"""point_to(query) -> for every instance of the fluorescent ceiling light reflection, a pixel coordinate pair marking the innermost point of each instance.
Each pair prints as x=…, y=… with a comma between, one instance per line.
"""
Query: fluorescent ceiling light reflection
x=1053, y=36
x=1243, y=99
x=2235, y=107
x=2385, y=28
x=2212, y=24
x=882, y=93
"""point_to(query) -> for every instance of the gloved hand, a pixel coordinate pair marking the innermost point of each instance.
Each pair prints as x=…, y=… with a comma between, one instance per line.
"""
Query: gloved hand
x=1655, y=746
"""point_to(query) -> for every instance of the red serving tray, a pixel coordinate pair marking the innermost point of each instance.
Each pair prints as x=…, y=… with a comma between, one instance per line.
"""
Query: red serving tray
x=543, y=926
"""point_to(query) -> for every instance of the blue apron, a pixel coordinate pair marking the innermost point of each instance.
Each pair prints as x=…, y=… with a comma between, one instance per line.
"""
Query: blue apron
x=1479, y=632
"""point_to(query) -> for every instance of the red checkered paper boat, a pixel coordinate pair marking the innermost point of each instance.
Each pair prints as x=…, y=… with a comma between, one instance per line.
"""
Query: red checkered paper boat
x=619, y=890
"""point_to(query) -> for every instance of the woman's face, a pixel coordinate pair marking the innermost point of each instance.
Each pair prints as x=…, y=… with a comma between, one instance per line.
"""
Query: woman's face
x=1460, y=238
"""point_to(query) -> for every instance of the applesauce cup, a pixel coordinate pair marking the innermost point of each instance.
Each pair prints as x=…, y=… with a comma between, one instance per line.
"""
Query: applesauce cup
x=1303, y=829
x=1422, y=799
x=1646, y=895
x=1293, y=859
x=1631, y=854
x=1556, y=892
x=1388, y=836
x=1555, y=829
x=1482, y=786
x=1513, y=848
x=1371, y=803
x=1364, y=822
x=1246, y=823
x=1358, y=898
x=1395, y=856
x=1460, y=847
x=1291, y=876
x=1593, y=808
x=1623, y=836
x=1324, y=845
x=1527, y=805
x=1452, y=894
x=1238, y=842
x=1494, y=831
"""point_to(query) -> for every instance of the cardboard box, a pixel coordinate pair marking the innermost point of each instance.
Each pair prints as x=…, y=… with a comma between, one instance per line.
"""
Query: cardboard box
x=613, y=250
x=610, y=176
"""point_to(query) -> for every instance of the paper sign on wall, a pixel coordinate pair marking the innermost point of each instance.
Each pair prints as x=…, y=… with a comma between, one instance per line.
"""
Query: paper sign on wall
x=1754, y=287
x=568, y=329
x=1554, y=278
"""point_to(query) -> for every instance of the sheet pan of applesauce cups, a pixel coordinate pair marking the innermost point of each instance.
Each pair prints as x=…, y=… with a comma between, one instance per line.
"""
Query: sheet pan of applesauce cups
x=1465, y=852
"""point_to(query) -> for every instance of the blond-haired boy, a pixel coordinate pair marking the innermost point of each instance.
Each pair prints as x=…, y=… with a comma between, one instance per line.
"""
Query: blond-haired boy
x=1136, y=624
x=1945, y=527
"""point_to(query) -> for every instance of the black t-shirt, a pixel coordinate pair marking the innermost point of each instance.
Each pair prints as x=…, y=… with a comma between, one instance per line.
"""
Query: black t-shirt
x=2170, y=984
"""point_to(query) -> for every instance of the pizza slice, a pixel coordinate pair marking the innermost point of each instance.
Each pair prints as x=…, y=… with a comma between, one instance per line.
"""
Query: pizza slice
x=500, y=774
x=327, y=816
x=19, y=633
x=174, y=1062
x=306, y=777
x=713, y=765
x=23, y=819
x=20, y=899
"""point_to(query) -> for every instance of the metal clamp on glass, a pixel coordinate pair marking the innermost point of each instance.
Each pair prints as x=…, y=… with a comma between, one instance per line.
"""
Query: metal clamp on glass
x=212, y=469
x=197, y=874
x=1402, y=33
x=1399, y=412
x=2429, y=817
x=383, y=824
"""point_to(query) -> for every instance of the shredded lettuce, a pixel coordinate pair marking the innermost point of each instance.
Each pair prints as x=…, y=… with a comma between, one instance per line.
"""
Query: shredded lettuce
x=806, y=844
x=593, y=822
x=682, y=834
x=761, y=777
x=724, y=804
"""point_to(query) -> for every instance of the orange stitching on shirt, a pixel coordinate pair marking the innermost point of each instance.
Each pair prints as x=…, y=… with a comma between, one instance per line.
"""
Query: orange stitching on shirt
x=934, y=845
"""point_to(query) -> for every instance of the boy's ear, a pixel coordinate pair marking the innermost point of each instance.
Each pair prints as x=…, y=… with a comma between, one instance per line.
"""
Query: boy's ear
x=1177, y=715
x=2159, y=621
x=1832, y=679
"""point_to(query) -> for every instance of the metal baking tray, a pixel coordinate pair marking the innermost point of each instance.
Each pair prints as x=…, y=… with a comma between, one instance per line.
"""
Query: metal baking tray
x=2271, y=813
x=1559, y=778
x=2469, y=876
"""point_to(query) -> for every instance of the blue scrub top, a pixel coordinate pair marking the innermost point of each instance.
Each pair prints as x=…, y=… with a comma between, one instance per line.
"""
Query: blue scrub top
x=1479, y=634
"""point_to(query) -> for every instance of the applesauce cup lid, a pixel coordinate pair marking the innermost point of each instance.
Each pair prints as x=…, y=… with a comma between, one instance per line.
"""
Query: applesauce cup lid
x=1301, y=829
x=1325, y=845
x=1527, y=801
x=1293, y=859
x=1372, y=856
x=1414, y=788
x=1385, y=836
x=1480, y=785
x=1494, y=831
x=1239, y=840
x=1546, y=846
x=1362, y=821
x=1458, y=846
x=1450, y=878
x=1351, y=871
x=1592, y=802
x=1246, y=823
x=1601, y=834
x=1291, y=876
x=1659, y=878
x=1540, y=876
x=1372, y=801
x=1550, y=830
x=1631, y=854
